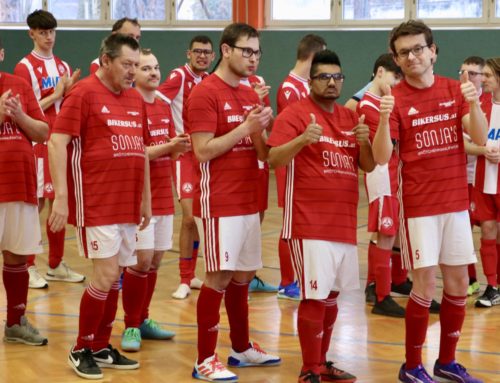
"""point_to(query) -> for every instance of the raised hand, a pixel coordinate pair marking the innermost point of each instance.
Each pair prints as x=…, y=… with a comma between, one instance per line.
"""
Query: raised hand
x=362, y=132
x=468, y=89
x=386, y=102
x=313, y=131
x=258, y=119
x=4, y=111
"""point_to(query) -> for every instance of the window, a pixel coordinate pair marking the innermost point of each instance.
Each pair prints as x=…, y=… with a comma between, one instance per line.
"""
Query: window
x=449, y=9
x=75, y=9
x=191, y=10
x=497, y=13
x=301, y=10
x=373, y=9
x=16, y=11
x=140, y=9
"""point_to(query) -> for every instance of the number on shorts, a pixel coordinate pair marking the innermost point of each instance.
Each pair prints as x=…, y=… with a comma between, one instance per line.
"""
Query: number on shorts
x=417, y=254
x=94, y=245
x=226, y=256
x=313, y=284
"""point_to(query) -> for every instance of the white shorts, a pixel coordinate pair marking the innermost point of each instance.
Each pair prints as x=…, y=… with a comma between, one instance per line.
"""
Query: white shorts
x=20, y=228
x=158, y=235
x=324, y=266
x=100, y=242
x=231, y=243
x=438, y=239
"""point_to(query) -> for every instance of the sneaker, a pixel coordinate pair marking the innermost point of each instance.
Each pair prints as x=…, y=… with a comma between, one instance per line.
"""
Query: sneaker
x=473, y=288
x=25, y=333
x=150, y=329
x=182, y=291
x=401, y=290
x=259, y=286
x=291, y=291
x=196, y=283
x=63, y=273
x=254, y=356
x=452, y=372
x=388, y=307
x=330, y=373
x=213, y=370
x=418, y=374
x=370, y=294
x=309, y=377
x=84, y=364
x=491, y=297
x=435, y=307
x=36, y=280
x=131, y=339
x=109, y=357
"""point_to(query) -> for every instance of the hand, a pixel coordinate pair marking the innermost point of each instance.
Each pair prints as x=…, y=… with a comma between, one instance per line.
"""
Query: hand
x=362, y=132
x=61, y=86
x=72, y=80
x=492, y=154
x=180, y=144
x=4, y=111
x=146, y=213
x=14, y=107
x=59, y=214
x=386, y=103
x=262, y=90
x=258, y=119
x=313, y=131
x=468, y=89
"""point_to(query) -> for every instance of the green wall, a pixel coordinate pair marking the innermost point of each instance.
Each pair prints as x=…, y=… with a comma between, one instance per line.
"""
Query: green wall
x=357, y=50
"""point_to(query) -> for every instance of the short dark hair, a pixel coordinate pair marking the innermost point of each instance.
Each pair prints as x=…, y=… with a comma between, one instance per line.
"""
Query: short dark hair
x=325, y=57
x=119, y=23
x=385, y=61
x=202, y=39
x=112, y=45
x=474, y=60
x=310, y=44
x=41, y=19
x=234, y=31
x=410, y=28
x=494, y=64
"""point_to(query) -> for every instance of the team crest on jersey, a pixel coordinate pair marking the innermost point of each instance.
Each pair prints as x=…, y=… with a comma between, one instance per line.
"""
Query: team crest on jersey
x=187, y=187
x=387, y=222
x=48, y=187
x=105, y=110
x=287, y=94
x=61, y=68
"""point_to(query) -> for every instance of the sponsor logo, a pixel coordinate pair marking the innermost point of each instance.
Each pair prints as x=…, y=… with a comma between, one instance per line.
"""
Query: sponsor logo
x=187, y=187
x=132, y=113
x=20, y=306
x=247, y=107
x=149, y=122
x=49, y=82
x=76, y=362
x=227, y=106
x=412, y=111
x=105, y=110
x=122, y=123
x=447, y=104
x=165, y=120
x=89, y=338
x=234, y=118
x=454, y=334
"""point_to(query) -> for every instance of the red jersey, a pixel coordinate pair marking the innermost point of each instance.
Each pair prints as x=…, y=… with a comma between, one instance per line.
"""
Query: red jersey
x=177, y=88
x=161, y=128
x=226, y=185
x=428, y=126
x=322, y=179
x=106, y=154
x=292, y=89
x=17, y=159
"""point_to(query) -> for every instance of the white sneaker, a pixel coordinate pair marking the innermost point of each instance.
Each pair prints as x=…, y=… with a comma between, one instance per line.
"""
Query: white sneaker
x=36, y=280
x=254, y=356
x=63, y=273
x=182, y=291
x=195, y=283
x=212, y=370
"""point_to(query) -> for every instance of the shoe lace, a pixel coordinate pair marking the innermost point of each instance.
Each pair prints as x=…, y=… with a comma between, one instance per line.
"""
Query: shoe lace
x=215, y=364
x=260, y=282
x=153, y=324
x=30, y=328
x=332, y=369
x=424, y=376
x=257, y=348
x=88, y=357
x=311, y=377
x=133, y=333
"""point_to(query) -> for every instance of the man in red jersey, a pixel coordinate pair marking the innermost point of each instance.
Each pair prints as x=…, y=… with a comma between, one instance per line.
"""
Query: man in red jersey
x=295, y=87
x=176, y=88
x=321, y=144
x=226, y=123
x=51, y=78
x=139, y=280
x=100, y=135
x=424, y=114
x=21, y=122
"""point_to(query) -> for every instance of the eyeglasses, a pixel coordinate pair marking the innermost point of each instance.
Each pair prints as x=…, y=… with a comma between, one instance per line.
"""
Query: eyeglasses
x=326, y=77
x=199, y=52
x=416, y=51
x=471, y=73
x=248, y=52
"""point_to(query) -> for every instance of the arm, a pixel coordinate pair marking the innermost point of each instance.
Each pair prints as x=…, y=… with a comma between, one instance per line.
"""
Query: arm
x=64, y=84
x=382, y=143
x=259, y=143
x=473, y=149
x=475, y=122
x=146, y=210
x=36, y=130
x=177, y=145
x=362, y=132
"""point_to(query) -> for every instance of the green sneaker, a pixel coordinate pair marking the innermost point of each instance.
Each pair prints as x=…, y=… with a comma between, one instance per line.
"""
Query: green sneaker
x=473, y=288
x=150, y=329
x=131, y=339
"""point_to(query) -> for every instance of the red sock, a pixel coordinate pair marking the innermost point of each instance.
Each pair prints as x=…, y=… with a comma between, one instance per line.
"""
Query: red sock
x=187, y=266
x=30, y=260
x=310, y=323
x=498, y=264
x=398, y=273
x=471, y=269
x=194, y=259
x=91, y=311
x=370, y=277
x=381, y=259
x=152, y=277
x=207, y=316
x=236, y=301
x=331, y=311
x=286, y=268
x=108, y=317
x=15, y=280
x=134, y=291
x=56, y=246
x=451, y=317
x=489, y=260
x=416, y=322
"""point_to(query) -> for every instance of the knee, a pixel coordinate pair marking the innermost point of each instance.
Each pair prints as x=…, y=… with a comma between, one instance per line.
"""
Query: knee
x=105, y=277
x=188, y=222
x=143, y=264
x=489, y=230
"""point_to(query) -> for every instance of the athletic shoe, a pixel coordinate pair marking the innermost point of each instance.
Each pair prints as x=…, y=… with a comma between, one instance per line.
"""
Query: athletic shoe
x=109, y=357
x=36, y=280
x=291, y=291
x=418, y=374
x=491, y=297
x=182, y=291
x=388, y=307
x=131, y=339
x=213, y=370
x=150, y=329
x=196, y=283
x=25, y=333
x=309, y=377
x=254, y=356
x=330, y=373
x=63, y=273
x=401, y=290
x=452, y=372
x=370, y=294
x=473, y=288
x=435, y=307
x=259, y=286
x=84, y=364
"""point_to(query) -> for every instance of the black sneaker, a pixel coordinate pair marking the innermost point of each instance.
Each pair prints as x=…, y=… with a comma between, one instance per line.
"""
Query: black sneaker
x=389, y=308
x=309, y=377
x=109, y=357
x=370, y=294
x=491, y=297
x=435, y=307
x=83, y=363
x=401, y=290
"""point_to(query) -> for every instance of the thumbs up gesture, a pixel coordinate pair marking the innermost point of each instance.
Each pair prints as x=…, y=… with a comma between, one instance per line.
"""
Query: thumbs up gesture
x=468, y=89
x=362, y=132
x=386, y=103
x=313, y=131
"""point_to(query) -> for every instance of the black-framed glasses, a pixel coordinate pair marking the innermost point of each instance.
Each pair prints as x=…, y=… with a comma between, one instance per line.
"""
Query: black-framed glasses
x=248, y=52
x=470, y=72
x=326, y=77
x=199, y=52
x=416, y=51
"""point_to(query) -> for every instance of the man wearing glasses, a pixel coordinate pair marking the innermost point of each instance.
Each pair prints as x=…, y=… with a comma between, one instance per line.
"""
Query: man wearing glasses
x=322, y=144
x=177, y=88
x=424, y=115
